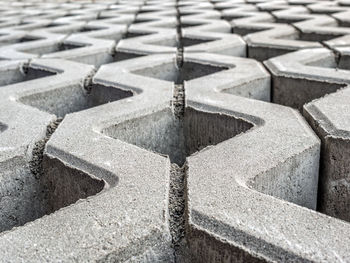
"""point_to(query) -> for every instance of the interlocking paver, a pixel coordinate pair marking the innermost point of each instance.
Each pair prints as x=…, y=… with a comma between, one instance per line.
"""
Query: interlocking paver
x=334, y=131
x=305, y=75
x=150, y=131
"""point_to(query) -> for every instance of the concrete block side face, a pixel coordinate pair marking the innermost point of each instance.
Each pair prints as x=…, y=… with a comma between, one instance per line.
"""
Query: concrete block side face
x=206, y=247
x=344, y=61
x=3, y=127
x=27, y=196
x=65, y=185
x=334, y=194
x=300, y=174
x=22, y=72
x=21, y=198
x=296, y=92
x=258, y=87
x=264, y=53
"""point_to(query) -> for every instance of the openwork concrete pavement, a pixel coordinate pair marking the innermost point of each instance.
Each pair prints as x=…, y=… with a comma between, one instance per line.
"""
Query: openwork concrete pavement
x=175, y=131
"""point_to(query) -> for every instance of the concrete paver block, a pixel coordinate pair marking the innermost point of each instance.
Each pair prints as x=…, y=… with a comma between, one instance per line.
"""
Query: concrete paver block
x=305, y=75
x=322, y=28
x=127, y=229
x=266, y=39
x=140, y=42
x=194, y=40
x=28, y=103
x=324, y=116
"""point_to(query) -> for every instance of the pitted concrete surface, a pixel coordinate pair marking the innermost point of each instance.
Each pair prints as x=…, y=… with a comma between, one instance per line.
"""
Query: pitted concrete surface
x=174, y=131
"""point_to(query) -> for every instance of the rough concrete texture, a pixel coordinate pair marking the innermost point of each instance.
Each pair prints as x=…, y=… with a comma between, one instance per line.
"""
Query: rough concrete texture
x=151, y=131
x=334, y=131
x=305, y=75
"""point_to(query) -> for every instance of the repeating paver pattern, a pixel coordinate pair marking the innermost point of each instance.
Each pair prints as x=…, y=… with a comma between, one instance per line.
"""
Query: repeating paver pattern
x=174, y=131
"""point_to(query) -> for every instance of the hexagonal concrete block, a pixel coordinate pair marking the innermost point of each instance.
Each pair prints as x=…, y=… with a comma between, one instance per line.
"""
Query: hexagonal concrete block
x=329, y=118
x=304, y=75
x=240, y=193
x=135, y=227
x=30, y=96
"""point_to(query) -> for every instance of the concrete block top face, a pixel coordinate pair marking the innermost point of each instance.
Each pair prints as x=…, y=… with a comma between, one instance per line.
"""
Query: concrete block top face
x=251, y=79
x=212, y=69
x=193, y=12
x=206, y=25
x=151, y=13
x=147, y=43
x=145, y=75
x=327, y=7
x=254, y=20
x=102, y=30
x=194, y=40
x=342, y=17
x=160, y=72
x=19, y=130
x=60, y=27
x=316, y=64
x=156, y=22
x=326, y=112
x=282, y=36
x=322, y=28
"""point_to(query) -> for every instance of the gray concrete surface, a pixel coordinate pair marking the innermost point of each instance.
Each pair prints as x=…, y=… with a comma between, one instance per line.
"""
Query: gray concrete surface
x=323, y=115
x=174, y=131
x=305, y=75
